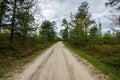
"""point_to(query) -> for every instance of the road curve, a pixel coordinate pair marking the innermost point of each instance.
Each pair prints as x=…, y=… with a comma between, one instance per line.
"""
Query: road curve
x=57, y=63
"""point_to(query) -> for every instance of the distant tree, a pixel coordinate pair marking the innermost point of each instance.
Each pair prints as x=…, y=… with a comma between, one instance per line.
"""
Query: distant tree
x=82, y=20
x=118, y=36
x=13, y=19
x=93, y=35
x=100, y=29
x=94, y=31
x=65, y=32
x=47, y=30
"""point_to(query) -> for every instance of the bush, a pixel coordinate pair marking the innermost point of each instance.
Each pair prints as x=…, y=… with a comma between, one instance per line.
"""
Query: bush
x=106, y=53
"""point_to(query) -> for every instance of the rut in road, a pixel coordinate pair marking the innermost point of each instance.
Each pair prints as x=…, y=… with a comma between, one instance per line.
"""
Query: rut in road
x=57, y=63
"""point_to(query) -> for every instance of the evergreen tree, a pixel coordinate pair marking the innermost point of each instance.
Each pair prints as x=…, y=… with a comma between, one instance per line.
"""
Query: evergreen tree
x=82, y=21
x=47, y=30
x=65, y=32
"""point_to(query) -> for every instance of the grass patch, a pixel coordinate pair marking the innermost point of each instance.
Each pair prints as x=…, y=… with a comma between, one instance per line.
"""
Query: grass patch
x=11, y=65
x=104, y=68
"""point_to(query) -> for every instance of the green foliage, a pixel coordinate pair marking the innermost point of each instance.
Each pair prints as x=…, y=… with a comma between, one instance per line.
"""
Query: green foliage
x=16, y=19
x=25, y=21
x=65, y=32
x=47, y=30
x=78, y=34
x=118, y=35
x=19, y=50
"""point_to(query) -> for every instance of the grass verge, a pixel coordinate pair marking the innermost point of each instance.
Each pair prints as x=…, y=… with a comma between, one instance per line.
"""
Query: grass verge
x=104, y=68
x=21, y=62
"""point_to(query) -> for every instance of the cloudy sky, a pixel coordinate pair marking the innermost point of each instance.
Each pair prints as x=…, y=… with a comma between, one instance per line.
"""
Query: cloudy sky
x=56, y=10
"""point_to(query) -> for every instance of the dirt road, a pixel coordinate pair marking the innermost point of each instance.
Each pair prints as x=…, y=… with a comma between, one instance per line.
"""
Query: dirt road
x=57, y=63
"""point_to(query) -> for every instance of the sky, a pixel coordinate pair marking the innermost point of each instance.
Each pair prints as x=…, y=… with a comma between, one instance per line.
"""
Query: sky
x=56, y=10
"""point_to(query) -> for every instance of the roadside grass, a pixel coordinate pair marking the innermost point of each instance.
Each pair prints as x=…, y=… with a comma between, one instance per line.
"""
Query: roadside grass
x=104, y=68
x=16, y=64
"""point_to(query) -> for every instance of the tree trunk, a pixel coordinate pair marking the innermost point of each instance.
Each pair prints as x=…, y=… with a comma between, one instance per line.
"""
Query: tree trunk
x=13, y=21
x=0, y=24
x=1, y=15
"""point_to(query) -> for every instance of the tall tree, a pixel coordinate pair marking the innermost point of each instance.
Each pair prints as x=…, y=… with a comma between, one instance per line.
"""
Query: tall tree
x=94, y=31
x=93, y=35
x=82, y=21
x=100, y=29
x=83, y=17
x=13, y=20
x=21, y=16
x=25, y=21
x=25, y=18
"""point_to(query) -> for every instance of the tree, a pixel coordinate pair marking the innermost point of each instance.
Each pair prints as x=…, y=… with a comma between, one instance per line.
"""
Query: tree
x=82, y=22
x=13, y=20
x=112, y=3
x=100, y=30
x=65, y=32
x=83, y=17
x=118, y=36
x=93, y=35
x=115, y=16
x=108, y=38
x=47, y=30
x=20, y=15
x=94, y=31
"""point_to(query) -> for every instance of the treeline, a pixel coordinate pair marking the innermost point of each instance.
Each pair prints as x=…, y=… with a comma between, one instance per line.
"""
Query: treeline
x=20, y=36
x=84, y=33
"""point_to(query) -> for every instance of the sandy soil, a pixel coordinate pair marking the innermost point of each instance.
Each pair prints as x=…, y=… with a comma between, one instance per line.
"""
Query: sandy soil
x=58, y=63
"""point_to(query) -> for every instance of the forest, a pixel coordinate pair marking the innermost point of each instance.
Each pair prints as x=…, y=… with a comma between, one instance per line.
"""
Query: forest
x=18, y=33
x=21, y=36
x=83, y=33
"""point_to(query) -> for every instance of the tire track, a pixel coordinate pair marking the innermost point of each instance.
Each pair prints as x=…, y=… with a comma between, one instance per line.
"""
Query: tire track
x=69, y=67
x=42, y=65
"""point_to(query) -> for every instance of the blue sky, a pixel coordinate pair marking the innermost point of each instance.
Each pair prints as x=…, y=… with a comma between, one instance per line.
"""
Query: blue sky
x=56, y=10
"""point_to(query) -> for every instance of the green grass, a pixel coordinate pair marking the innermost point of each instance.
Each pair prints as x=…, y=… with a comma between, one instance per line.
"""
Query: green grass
x=19, y=63
x=104, y=68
